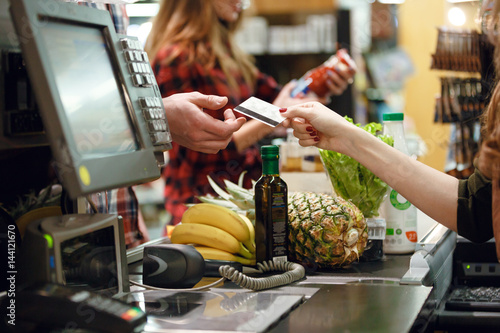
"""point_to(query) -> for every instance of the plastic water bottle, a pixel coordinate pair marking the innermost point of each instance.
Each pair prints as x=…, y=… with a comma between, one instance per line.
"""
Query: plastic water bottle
x=400, y=215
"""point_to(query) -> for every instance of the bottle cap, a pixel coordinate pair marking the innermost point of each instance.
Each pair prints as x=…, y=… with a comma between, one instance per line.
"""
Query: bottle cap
x=396, y=116
x=270, y=152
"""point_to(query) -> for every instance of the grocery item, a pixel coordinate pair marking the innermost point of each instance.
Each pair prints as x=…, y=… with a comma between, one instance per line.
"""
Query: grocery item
x=292, y=153
x=325, y=231
x=217, y=232
x=213, y=253
x=222, y=218
x=374, y=249
x=207, y=235
x=352, y=181
x=271, y=204
x=315, y=79
x=400, y=215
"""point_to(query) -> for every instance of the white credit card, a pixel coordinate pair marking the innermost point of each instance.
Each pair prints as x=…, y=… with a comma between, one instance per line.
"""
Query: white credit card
x=260, y=110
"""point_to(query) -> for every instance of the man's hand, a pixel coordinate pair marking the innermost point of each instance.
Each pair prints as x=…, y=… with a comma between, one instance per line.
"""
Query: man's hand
x=194, y=129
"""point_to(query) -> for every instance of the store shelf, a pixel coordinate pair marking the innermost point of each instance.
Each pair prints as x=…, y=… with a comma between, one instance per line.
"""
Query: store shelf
x=266, y=7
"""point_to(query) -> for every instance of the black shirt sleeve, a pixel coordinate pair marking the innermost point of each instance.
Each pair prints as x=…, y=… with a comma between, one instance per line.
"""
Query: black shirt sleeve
x=474, y=220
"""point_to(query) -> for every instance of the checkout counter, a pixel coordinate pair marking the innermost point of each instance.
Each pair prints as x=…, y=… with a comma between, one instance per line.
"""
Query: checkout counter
x=396, y=294
x=400, y=293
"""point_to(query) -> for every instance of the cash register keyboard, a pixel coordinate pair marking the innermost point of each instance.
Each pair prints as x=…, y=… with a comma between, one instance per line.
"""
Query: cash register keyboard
x=474, y=299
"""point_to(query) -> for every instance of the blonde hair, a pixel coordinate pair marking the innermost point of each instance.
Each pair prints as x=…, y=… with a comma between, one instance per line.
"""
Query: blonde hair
x=193, y=26
x=491, y=118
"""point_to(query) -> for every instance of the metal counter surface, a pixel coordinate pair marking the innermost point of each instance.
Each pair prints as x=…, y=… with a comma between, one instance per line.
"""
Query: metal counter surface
x=359, y=307
x=390, y=267
x=365, y=296
x=388, y=270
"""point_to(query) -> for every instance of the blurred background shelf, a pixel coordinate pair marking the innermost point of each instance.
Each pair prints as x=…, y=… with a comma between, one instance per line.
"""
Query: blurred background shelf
x=266, y=7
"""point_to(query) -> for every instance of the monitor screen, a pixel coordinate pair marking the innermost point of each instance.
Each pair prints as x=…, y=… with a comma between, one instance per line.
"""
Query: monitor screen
x=84, y=76
x=84, y=251
x=89, y=260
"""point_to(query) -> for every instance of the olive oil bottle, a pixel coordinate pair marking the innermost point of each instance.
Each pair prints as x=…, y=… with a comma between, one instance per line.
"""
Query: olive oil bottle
x=271, y=210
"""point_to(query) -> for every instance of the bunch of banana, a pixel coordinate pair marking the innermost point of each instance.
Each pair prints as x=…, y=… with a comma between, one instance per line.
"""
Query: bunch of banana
x=216, y=254
x=233, y=196
x=217, y=232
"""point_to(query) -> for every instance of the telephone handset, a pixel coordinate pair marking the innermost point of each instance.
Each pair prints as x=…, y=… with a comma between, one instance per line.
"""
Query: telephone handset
x=144, y=93
x=50, y=306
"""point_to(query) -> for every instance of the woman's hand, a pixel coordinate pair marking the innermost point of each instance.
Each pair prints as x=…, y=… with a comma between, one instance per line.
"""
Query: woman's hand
x=316, y=125
x=338, y=80
x=284, y=98
x=192, y=128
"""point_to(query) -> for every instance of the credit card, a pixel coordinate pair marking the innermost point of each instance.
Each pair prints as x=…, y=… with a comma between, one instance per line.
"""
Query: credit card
x=262, y=111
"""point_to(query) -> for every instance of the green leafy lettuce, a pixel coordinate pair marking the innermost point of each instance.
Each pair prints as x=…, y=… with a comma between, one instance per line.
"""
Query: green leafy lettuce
x=354, y=182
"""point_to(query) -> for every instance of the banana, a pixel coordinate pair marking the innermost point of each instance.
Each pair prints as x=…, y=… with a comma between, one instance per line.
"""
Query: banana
x=222, y=218
x=216, y=254
x=196, y=233
x=251, y=228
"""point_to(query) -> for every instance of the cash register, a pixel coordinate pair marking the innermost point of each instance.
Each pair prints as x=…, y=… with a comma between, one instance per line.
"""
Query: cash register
x=100, y=111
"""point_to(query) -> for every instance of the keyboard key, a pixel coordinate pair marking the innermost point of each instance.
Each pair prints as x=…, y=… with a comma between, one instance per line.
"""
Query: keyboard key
x=474, y=299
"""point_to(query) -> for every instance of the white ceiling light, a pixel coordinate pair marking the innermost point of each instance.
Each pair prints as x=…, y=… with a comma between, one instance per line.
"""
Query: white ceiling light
x=142, y=9
x=456, y=16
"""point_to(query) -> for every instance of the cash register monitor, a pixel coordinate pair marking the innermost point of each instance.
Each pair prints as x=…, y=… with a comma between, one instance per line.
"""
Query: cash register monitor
x=92, y=103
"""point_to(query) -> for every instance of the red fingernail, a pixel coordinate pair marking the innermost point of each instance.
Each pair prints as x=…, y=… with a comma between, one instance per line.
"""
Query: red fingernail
x=309, y=128
x=312, y=134
x=282, y=109
x=316, y=139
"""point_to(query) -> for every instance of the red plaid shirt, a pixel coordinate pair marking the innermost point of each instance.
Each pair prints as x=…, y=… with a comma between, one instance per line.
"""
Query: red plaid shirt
x=187, y=170
x=121, y=201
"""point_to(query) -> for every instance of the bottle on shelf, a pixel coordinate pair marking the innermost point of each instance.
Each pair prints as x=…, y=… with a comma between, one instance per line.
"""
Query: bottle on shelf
x=271, y=209
x=400, y=215
x=292, y=153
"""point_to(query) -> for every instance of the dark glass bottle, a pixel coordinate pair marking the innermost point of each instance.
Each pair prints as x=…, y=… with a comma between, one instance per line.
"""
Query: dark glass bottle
x=271, y=210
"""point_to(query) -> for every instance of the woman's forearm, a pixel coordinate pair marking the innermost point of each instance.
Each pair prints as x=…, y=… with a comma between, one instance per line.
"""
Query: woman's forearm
x=433, y=192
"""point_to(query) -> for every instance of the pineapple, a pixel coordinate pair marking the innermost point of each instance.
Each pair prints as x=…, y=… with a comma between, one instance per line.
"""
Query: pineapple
x=326, y=230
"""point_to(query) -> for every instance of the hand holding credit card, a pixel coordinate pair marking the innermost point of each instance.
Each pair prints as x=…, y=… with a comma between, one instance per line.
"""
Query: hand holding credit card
x=262, y=111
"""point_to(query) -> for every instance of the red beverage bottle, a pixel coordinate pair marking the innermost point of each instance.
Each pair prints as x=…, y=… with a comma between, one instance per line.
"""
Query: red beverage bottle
x=315, y=79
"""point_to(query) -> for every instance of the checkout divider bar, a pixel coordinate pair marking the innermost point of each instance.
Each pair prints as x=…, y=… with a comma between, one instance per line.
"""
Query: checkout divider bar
x=432, y=262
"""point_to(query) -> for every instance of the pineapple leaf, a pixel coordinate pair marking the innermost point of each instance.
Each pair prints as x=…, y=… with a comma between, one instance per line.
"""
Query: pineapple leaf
x=241, y=178
x=238, y=192
x=218, y=190
x=251, y=214
x=219, y=202
x=236, y=198
x=243, y=204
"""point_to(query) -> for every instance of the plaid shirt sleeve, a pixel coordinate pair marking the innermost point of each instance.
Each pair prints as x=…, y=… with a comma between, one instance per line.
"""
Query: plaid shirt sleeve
x=121, y=201
x=187, y=170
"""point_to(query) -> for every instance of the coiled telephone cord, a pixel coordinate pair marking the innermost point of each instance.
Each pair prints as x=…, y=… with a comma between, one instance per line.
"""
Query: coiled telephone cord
x=292, y=273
